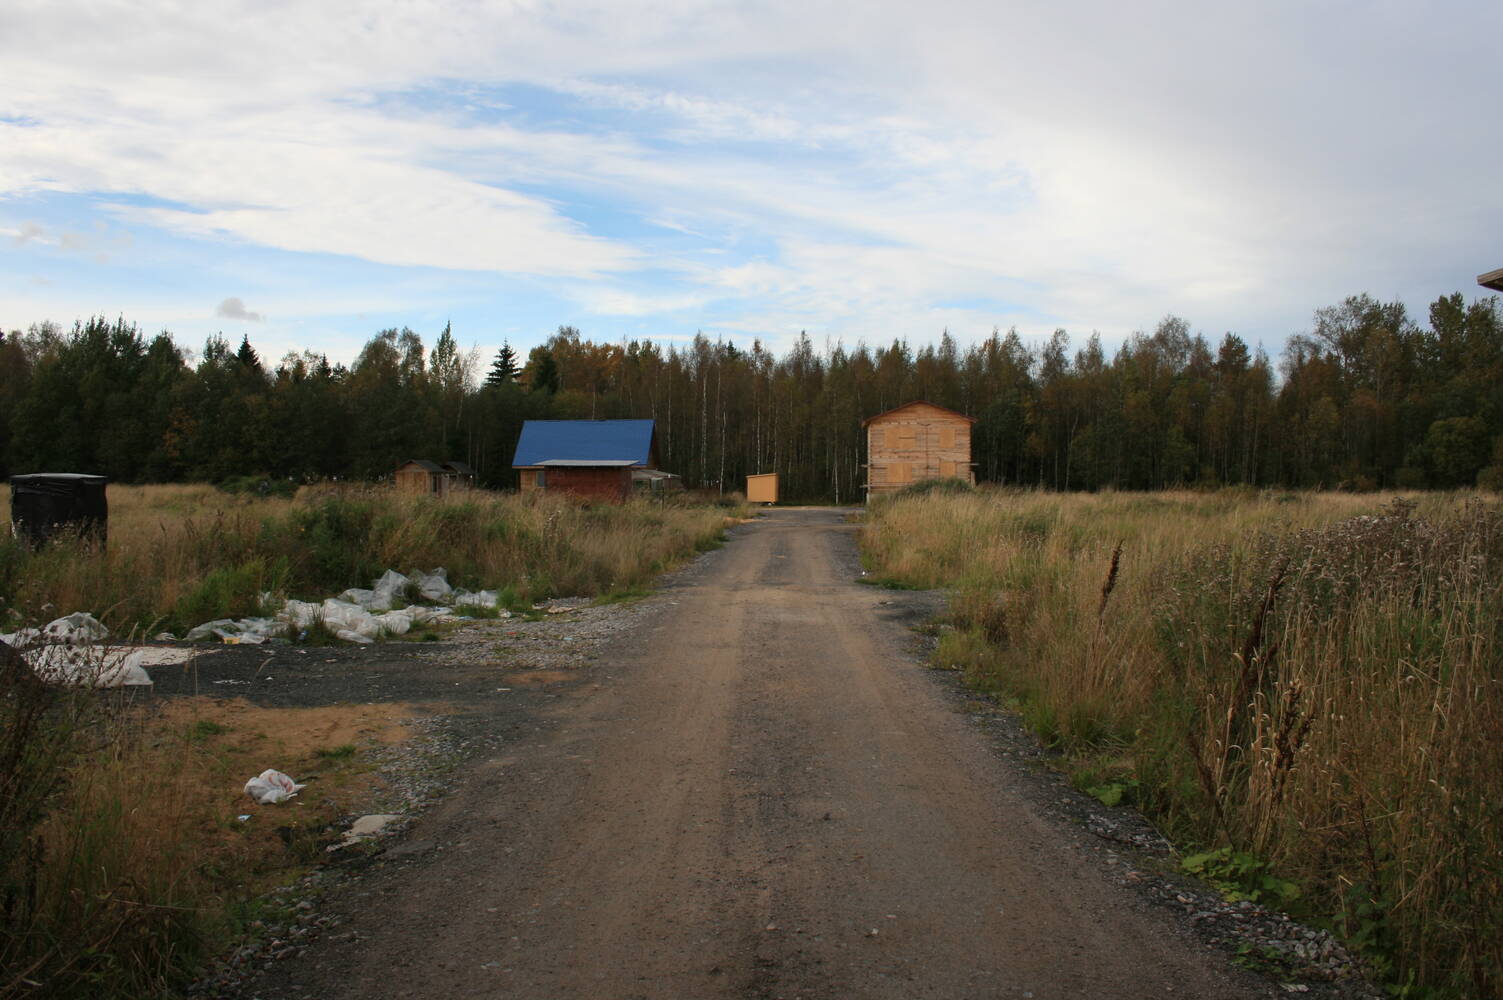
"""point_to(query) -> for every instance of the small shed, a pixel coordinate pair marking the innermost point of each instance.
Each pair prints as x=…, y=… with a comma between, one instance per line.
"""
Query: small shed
x=592, y=458
x=655, y=481
x=459, y=476
x=762, y=488
x=914, y=442
x=421, y=475
x=45, y=503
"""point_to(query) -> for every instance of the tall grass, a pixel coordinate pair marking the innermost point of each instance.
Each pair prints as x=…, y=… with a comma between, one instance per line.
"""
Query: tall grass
x=181, y=555
x=100, y=894
x=105, y=889
x=1316, y=680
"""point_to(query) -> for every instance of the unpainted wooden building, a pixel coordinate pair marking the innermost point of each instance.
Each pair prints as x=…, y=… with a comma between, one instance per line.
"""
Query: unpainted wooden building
x=421, y=475
x=917, y=441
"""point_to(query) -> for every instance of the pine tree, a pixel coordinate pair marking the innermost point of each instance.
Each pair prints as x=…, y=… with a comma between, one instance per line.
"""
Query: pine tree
x=504, y=369
x=247, y=355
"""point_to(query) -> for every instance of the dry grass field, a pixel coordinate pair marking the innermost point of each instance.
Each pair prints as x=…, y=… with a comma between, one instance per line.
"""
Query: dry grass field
x=122, y=859
x=182, y=555
x=1306, y=690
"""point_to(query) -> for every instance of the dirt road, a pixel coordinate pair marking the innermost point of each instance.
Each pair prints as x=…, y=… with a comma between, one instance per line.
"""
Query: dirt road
x=759, y=794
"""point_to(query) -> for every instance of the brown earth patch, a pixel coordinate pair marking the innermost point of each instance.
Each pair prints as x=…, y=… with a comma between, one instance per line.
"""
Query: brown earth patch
x=203, y=750
x=539, y=678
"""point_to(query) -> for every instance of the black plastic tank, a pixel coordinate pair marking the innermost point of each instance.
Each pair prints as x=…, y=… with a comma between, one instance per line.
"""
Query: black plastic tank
x=45, y=503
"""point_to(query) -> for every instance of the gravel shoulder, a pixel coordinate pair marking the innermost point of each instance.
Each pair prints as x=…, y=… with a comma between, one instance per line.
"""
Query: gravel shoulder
x=745, y=785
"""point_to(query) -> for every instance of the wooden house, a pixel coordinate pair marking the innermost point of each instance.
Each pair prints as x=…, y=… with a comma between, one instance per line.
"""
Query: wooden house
x=592, y=458
x=916, y=441
x=421, y=475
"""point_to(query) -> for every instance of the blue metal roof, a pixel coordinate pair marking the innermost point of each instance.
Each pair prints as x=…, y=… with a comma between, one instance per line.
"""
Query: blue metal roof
x=584, y=441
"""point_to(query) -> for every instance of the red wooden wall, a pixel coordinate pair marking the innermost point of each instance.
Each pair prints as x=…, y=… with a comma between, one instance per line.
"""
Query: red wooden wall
x=606, y=484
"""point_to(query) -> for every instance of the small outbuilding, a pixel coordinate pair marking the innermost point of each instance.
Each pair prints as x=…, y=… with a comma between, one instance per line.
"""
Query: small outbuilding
x=420, y=475
x=654, y=482
x=914, y=442
x=762, y=488
x=591, y=458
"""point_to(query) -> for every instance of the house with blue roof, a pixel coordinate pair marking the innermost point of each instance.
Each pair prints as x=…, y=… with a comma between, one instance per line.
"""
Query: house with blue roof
x=592, y=458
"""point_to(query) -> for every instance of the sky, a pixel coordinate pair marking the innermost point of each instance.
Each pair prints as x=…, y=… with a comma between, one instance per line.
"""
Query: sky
x=308, y=174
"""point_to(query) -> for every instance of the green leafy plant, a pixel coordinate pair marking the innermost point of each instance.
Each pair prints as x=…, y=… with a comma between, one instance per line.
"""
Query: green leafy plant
x=1238, y=875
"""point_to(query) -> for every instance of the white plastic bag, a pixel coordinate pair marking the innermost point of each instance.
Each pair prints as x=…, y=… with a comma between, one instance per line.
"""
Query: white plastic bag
x=479, y=599
x=78, y=629
x=70, y=650
x=343, y=617
x=300, y=614
x=394, y=622
x=355, y=595
x=388, y=591
x=270, y=787
x=88, y=666
x=433, y=586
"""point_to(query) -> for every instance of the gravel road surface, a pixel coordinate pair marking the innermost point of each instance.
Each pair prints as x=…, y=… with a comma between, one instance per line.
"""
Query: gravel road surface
x=754, y=790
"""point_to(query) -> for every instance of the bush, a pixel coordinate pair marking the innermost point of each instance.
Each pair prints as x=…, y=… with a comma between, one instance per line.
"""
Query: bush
x=261, y=486
x=231, y=593
x=945, y=486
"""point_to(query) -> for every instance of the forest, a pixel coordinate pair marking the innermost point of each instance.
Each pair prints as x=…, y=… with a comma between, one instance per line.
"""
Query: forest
x=1368, y=398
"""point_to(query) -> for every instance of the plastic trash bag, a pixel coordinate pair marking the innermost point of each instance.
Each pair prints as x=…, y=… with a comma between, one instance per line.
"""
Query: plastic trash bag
x=357, y=615
x=342, y=616
x=433, y=586
x=270, y=787
x=394, y=623
x=208, y=630
x=77, y=629
x=69, y=650
x=388, y=591
x=300, y=614
x=88, y=666
x=364, y=598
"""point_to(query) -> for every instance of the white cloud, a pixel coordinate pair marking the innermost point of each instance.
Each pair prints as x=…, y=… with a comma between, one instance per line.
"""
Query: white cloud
x=841, y=166
x=234, y=308
x=29, y=231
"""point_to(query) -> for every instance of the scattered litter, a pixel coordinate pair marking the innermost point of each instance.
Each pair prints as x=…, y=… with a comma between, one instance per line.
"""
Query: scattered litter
x=78, y=629
x=70, y=650
x=480, y=598
x=243, y=817
x=433, y=586
x=270, y=787
x=365, y=828
x=250, y=631
x=356, y=615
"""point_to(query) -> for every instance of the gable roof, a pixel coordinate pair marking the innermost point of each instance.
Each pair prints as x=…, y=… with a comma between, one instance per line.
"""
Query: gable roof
x=584, y=442
x=422, y=463
x=918, y=402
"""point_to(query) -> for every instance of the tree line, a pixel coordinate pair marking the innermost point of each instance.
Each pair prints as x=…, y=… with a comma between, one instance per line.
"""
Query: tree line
x=1368, y=398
